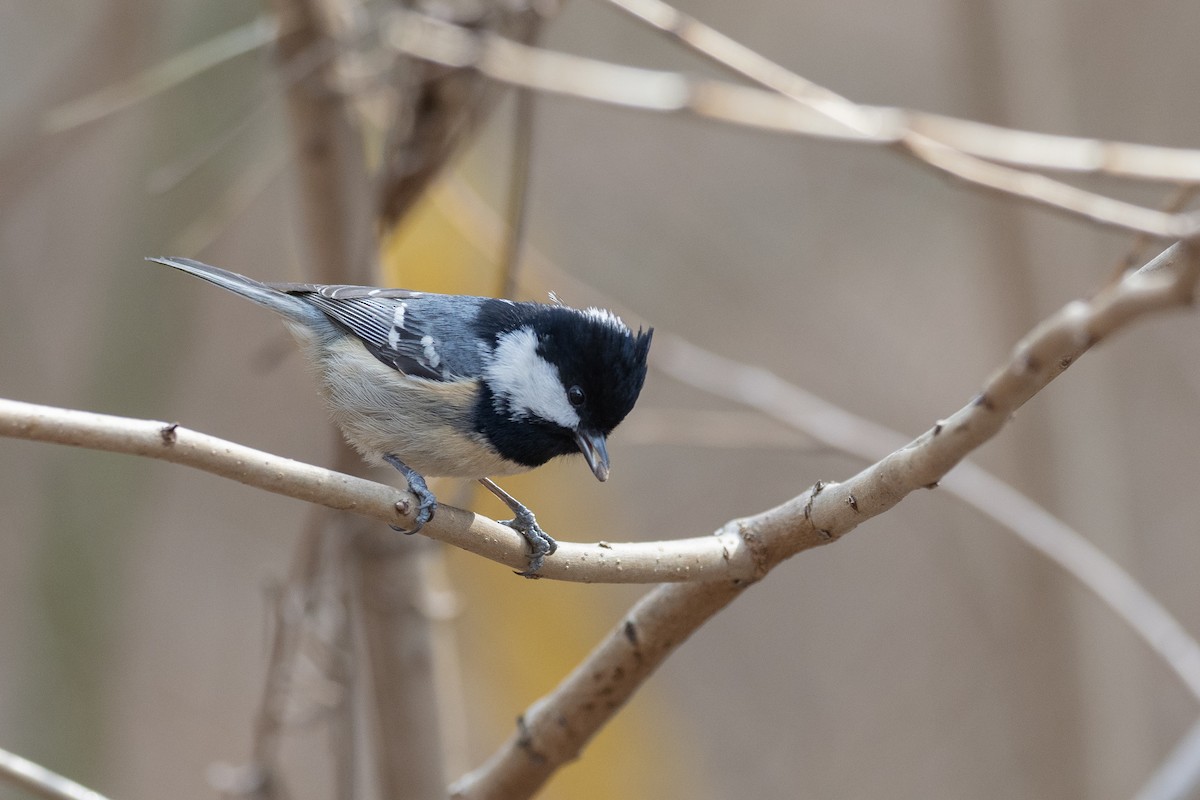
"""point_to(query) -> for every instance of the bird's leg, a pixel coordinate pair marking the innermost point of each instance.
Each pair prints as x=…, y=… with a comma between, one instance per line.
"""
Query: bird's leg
x=524, y=523
x=416, y=485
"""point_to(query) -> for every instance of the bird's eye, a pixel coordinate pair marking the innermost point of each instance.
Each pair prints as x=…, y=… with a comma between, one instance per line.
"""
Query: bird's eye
x=576, y=396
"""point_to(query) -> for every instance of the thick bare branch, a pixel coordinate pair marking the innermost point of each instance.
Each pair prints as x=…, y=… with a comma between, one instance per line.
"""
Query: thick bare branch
x=330, y=119
x=689, y=559
x=556, y=728
x=830, y=426
x=743, y=551
x=1166, y=282
x=837, y=428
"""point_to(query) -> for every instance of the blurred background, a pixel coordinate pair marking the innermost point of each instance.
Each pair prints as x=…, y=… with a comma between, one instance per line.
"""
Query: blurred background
x=928, y=654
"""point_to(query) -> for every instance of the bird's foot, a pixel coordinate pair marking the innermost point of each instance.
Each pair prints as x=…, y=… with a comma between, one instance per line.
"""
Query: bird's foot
x=541, y=544
x=426, y=502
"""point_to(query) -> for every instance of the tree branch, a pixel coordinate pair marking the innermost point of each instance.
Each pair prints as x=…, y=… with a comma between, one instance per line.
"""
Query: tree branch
x=837, y=428
x=329, y=155
x=38, y=780
x=797, y=106
x=555, y=729
x=977, y=139
x=742, y=551
x=1179, y=774
x=688, y=559
x=732, y=554
x=826, y=425
x=439, y=108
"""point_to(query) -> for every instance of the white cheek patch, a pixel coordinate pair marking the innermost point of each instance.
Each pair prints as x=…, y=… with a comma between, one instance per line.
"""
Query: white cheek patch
x=525, y=383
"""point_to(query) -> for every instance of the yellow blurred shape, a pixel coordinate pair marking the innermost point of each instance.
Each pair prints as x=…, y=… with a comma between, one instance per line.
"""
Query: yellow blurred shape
x=428, y=252
x=519, y=638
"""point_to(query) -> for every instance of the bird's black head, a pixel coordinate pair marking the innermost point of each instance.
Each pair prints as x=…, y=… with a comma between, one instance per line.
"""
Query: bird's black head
x=560, y=380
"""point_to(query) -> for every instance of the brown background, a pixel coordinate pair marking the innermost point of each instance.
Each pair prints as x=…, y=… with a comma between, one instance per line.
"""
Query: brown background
x=927, y=655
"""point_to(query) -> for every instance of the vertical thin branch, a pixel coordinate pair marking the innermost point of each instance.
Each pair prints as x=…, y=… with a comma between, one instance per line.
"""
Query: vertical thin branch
x=309, y=608
x=518, y=191
x=439, y=107
x=391, y=574
x=520, y=174
x=269, y=721
x=337, y=560
x=329, y=154
x=330, y=165
x=431, y=110
x=400, y=705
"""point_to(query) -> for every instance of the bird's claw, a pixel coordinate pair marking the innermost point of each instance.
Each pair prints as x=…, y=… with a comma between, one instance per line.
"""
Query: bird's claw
x=426, y=502
x=541, y=544
x=426, y=505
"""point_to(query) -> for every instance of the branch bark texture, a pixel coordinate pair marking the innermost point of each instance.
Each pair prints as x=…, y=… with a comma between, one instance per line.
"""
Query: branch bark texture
x=556, y=728
x=738, y=552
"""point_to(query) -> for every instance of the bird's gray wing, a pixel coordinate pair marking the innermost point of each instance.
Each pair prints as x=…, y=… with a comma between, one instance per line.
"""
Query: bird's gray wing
x=413, y=332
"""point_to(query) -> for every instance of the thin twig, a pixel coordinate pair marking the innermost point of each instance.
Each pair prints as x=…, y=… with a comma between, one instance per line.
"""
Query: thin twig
x=34, y=778
x=1175, y=202
x=654, y=90
x=518, y=191
x=841, y=430
x=974, y=139
x=718, y=429
x=165, y=75
x=1179, y=775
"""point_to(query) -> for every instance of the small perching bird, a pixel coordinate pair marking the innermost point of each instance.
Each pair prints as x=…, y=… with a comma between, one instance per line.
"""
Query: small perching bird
x=459, y=386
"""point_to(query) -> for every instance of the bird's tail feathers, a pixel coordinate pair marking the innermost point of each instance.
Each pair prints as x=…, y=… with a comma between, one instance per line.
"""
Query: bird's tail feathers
x=291, y=307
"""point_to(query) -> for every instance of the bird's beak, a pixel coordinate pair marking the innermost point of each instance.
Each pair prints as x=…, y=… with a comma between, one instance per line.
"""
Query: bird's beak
x=593, y=449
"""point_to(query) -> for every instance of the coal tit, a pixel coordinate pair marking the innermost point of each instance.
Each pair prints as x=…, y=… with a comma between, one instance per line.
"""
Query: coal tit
x=458, y=386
